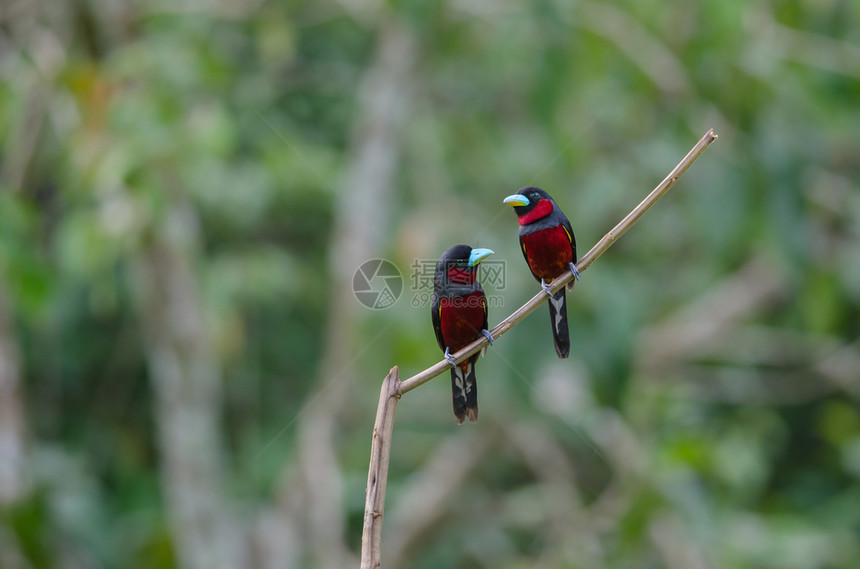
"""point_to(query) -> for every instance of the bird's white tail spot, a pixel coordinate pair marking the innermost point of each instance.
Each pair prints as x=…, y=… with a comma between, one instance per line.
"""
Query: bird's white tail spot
x=460, y=382
x=558, y=305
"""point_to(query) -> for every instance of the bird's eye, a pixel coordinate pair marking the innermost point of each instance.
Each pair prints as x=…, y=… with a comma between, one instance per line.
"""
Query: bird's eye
x=534, y=194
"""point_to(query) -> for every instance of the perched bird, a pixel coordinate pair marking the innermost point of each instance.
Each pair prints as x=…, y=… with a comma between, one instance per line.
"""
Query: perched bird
x=459, y=311
x=549, y=248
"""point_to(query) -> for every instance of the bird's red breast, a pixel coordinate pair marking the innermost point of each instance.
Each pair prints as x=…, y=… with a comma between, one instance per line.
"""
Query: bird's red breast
x=548, y=251
x=461, y=319
x=541, y=210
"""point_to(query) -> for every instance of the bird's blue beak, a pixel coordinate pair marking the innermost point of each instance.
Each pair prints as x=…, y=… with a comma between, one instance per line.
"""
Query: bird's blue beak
x=516, y=200
x=479, y=255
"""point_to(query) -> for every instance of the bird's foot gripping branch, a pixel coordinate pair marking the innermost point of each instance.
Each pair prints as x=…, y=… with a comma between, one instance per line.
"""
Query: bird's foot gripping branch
x=393, y=388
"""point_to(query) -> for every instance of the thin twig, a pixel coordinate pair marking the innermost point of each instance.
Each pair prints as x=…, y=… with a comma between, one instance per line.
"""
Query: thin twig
x=377, y=474
x=581, y=265
x=393, y=388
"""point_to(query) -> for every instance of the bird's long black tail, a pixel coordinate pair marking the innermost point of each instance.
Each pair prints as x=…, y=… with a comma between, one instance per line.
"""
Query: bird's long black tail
x=558, y=316
x=464, y=387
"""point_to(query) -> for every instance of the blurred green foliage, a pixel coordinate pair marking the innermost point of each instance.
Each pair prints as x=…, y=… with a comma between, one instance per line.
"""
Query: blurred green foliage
x=741, y=451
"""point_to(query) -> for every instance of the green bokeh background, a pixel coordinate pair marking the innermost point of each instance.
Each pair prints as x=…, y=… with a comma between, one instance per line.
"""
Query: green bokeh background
x=707, y=417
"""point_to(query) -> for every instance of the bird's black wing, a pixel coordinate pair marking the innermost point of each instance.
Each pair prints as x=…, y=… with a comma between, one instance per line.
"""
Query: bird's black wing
x=566, y=224
x=484, y=304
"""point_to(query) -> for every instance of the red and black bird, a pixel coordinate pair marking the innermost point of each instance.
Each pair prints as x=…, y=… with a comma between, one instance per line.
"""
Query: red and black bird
x=549, y=248
x=459, y=311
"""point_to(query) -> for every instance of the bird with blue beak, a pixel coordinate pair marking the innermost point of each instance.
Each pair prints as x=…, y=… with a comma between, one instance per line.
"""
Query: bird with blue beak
x=549, y=248
x=459, y=314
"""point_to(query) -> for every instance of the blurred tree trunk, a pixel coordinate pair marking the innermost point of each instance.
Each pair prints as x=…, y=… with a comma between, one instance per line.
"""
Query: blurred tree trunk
x=29, y=31
x=13, y=465
x=186, y=379
x=14, y=479
x=359, y=231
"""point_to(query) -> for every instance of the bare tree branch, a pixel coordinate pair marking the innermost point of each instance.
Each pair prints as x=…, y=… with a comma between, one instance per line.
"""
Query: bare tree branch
x=392, y=389
x=377, y=475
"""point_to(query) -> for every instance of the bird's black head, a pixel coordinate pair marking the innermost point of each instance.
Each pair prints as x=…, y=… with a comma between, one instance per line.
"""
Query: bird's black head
x=459, y=264
x=528, y=199
x=531, y=204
